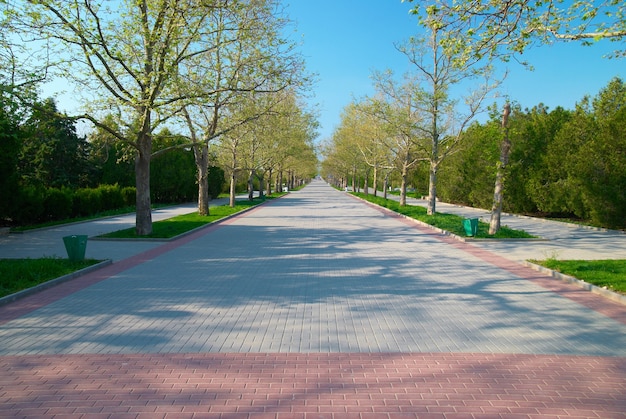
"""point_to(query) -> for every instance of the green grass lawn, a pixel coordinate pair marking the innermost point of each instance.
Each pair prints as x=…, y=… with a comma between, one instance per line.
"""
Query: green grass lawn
x=20, y=274
x=172, y=227
x=449, y=222
x=609, y=273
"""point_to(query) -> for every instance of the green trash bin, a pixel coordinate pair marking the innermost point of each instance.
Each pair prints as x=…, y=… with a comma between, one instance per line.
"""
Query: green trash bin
x=471, y=226
x=75, y=247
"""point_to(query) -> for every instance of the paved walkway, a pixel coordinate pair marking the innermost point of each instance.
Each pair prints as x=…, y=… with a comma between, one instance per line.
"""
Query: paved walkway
x=562, y=240
x=313, y=305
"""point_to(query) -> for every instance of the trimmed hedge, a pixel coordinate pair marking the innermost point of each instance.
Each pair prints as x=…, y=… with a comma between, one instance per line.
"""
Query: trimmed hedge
x=37, y=204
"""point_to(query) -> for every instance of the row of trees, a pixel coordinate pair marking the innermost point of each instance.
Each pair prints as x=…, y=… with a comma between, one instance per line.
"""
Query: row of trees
x=192, y=73
x=562, y=163
x=43, y=157
x=415, y=125
x=567, y=163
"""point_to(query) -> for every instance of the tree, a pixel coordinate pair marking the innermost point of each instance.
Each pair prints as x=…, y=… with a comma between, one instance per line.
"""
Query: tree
x=126, y=57
x=111, y=159
x=173, y=173
x=394, y=110
x=505, y=29
x=248, y=56
x=440, y=122
x=591, y=176
x=10, y=143
x=52, y=154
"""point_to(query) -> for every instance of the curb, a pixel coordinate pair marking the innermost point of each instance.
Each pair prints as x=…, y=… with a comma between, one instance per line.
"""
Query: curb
x=53, y=282
x=186, y=233
x=446, y=232
x=611, y=295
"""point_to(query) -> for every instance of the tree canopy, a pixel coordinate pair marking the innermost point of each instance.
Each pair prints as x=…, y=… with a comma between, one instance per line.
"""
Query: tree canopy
x=507, y=28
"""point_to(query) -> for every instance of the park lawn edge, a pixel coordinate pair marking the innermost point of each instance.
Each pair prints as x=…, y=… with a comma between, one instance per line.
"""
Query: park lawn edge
x=435, y=221
x=47, y=280
x=605, y=291
x=161, y=227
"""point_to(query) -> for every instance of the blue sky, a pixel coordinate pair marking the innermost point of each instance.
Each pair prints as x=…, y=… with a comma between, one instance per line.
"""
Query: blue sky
x=344, y=41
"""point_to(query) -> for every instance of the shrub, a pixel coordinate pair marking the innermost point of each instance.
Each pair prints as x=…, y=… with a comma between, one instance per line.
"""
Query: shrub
x=129, y=194
x=111, y=197
x=216, y=181
x=29, y=205
x=57, y=204
x=87, y=202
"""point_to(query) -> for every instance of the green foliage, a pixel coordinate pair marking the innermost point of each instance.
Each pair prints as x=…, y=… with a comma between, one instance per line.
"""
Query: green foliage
x=468, y=176
x=52, y=154
x=217, y=181
x=111, y=197
x=563, y=163
x=10, y=143
x=86, y=201
x=29, y=206
x=173, y=177
x=485, y=28
x=39, y=205
x=129, y=195
x=57, y=204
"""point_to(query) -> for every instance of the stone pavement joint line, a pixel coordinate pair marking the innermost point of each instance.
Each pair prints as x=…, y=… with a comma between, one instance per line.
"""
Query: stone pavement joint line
x=328, y=385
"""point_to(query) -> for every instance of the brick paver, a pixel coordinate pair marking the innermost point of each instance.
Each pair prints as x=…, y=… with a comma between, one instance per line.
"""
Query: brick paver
x=329, y=385
x=316, y=305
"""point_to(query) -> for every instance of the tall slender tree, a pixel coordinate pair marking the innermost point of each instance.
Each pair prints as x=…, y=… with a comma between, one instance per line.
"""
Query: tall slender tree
x=498, y=194
x=441, y=121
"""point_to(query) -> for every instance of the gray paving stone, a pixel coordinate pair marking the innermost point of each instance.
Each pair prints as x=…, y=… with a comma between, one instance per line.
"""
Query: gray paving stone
x=316, y=271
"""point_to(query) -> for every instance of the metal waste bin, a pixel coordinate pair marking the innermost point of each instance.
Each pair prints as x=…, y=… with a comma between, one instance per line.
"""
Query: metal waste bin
x=75, y=246
x=471, y=226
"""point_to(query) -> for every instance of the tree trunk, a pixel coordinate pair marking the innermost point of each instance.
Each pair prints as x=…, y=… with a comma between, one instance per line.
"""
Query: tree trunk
x=385, y=185
x=201, y=154
x=269, y=182
x=498, y=193
x=261, y=185
x=251, y=185
x=366, y=183
x=496, y=209
x=233, y=184
x=432, y=190
x=375, y=181
x=143, y=220
x=403, y=185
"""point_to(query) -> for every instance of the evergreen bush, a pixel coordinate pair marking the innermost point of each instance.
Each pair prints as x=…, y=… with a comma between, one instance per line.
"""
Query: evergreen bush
x=111, y=197
x=57, y=204
x=87, y=202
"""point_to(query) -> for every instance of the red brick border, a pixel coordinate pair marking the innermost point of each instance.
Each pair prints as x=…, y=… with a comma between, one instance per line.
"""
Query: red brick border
x=329, y=385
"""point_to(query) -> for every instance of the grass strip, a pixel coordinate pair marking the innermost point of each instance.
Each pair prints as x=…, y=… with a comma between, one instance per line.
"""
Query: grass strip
x=610, y=273
x=175, y=226
x=448, y=222
x=20, y=274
